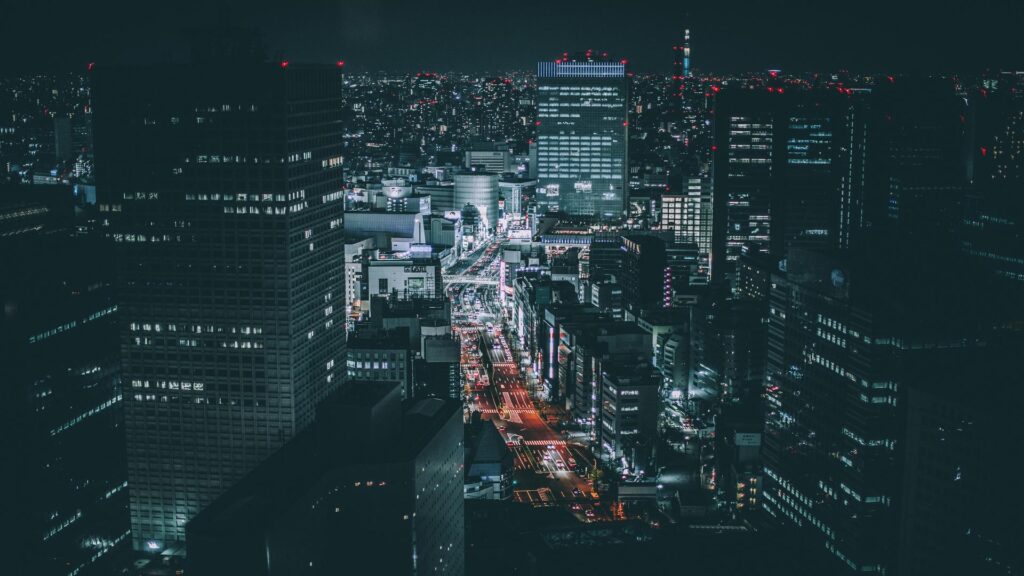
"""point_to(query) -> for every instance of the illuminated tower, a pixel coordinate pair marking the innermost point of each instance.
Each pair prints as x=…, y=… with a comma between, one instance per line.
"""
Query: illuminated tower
x=680, y=66
x=686, y=53
x=582, y=136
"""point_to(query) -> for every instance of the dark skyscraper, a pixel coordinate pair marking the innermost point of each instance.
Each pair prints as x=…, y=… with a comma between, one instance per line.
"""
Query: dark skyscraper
x=643, y=272
x=221, y=186
x=847, y=340
x=582, y=137
x=63, y=462
x=374, y=487
x=776, y=175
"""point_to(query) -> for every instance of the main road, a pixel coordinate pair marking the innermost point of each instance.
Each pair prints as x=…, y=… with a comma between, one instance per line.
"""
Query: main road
x=545, y=461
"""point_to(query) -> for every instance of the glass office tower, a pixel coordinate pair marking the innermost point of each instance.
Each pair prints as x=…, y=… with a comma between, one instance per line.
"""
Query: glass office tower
x=582, y=137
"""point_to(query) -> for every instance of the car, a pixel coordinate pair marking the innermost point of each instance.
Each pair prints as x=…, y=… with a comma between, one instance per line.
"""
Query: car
x=576, y=506
x=560, y=465
x=590, y=513
x=576, y=492
x=502, y=428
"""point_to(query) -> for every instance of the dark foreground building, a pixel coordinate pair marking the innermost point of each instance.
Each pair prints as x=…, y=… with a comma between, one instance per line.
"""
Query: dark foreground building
x=64, y=477
x=375, y=487
x=221, y=187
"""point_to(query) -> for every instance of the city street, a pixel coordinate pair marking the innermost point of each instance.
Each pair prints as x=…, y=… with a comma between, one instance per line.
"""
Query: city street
x=545, y=461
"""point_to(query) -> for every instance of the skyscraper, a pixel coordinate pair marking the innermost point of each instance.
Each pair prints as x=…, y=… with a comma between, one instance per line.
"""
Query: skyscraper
x=61, y=409
x=374, y=487
x=776, y=171
x=582, y=137
x=689, y=214
x=221, y=186
x=848, y=338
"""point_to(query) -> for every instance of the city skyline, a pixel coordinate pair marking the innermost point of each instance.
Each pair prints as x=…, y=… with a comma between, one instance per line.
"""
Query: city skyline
x=874, y=36
x=263, y=305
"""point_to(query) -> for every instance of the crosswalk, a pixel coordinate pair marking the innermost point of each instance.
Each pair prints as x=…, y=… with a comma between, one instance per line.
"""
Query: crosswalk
x=539, y=497
x=544, y=442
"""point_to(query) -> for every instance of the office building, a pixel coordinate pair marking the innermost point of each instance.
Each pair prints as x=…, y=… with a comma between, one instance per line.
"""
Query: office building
x=380, y=355
x=643, y=272
x=629, y=414
x=63, y=148
x=61, y=413
x=374, y=487
x=776, y=171
x=493, y=157
x=438, y=371
x=688, y=213
x=221, y=186
x=849, y=339
x=582, y=137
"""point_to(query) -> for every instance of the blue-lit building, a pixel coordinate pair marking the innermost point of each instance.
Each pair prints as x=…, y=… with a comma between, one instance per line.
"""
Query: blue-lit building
x=582, y=137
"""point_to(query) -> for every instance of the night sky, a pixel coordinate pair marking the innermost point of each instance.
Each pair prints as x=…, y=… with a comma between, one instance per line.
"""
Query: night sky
x=407, y=35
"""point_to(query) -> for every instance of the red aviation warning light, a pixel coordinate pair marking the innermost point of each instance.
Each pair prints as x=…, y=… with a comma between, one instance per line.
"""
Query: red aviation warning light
x=284, y=64
x=340, y=63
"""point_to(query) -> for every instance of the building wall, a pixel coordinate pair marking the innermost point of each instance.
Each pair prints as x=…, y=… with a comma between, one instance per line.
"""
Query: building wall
x=582, y=138
x=233, y=325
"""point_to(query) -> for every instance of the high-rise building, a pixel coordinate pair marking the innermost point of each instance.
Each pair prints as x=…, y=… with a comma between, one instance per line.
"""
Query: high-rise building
x=993, y=228
x=776, y=171
x=689, y=214
x=375, y=487
x=643, y=272
x=221, y=186
x=582, y=137
x=63, y=149
x=847, y=339
x=61, y=409
x=629, y=413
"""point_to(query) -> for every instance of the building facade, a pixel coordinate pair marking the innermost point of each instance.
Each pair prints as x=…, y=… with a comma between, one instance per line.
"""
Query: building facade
x=222, y=188
x=582, y=138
